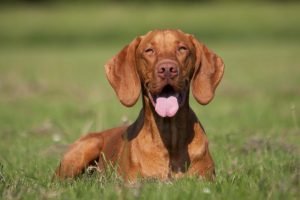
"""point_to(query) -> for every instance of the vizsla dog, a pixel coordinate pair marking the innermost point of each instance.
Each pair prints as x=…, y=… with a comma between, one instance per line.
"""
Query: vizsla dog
x=167, y=140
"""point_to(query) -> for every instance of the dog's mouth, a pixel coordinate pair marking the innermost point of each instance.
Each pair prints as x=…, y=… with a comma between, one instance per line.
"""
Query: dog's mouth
x=167, y=101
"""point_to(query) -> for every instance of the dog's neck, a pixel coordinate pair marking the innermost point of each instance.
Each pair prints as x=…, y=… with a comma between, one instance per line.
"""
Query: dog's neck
x=174, y=132
x=171, y=135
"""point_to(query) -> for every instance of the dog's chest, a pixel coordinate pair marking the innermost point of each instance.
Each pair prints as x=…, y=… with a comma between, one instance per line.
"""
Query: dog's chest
x=155, y=162
x=150, y=157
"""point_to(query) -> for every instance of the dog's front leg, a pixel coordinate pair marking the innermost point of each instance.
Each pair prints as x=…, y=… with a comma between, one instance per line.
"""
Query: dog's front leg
x=79, y=155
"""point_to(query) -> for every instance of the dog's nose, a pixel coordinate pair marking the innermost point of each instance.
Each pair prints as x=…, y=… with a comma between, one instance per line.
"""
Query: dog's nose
x=167, y=70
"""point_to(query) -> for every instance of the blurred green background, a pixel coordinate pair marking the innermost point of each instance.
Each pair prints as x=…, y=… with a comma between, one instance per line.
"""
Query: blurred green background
x=53, y=90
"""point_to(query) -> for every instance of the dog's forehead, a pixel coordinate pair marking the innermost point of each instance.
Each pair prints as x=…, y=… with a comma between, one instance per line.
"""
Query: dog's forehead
x=160, y=37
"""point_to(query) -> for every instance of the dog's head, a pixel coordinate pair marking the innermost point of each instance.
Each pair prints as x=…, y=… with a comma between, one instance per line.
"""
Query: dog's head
x=163, y=64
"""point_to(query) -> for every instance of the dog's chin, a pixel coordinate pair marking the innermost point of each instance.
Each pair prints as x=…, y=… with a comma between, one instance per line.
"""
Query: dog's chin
x=168, y=101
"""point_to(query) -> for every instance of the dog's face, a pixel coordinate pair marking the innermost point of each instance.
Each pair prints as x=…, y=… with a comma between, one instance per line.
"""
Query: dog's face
x=164, y=63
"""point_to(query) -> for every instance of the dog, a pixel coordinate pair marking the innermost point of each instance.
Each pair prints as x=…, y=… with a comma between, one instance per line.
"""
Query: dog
x=167, y=140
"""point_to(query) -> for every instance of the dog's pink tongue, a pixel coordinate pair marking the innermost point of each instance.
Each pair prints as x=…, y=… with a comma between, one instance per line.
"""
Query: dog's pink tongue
x=166, y=107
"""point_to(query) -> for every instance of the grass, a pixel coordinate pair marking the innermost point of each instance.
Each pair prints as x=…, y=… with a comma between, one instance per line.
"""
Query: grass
x=53, y=89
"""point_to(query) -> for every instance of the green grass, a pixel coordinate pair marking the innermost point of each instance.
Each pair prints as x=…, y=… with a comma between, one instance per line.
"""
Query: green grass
x=53, y=89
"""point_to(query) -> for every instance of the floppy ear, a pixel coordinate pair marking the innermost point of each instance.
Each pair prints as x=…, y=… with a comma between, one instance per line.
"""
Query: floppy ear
x=122, y=74
x=209, y=69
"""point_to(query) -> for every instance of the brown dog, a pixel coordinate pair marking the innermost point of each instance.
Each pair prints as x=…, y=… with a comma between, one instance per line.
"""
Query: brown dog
x=166, y=140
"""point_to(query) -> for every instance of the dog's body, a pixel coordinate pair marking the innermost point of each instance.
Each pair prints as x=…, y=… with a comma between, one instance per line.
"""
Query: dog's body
x=166, y=140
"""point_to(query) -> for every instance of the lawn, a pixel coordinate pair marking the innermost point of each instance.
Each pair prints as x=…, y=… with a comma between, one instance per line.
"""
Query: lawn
x=53, y=90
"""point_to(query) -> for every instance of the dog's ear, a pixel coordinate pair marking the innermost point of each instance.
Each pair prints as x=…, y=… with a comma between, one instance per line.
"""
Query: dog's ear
x=122, y=74
x=208, y=71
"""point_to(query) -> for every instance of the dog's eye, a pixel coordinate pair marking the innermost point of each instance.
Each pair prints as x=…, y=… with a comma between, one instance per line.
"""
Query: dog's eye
x=149, y=51
x=182, y=49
